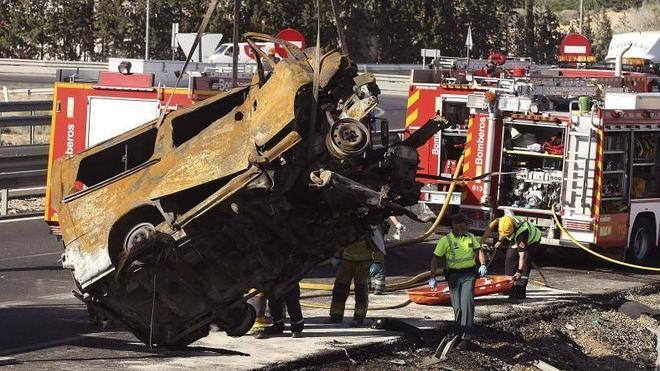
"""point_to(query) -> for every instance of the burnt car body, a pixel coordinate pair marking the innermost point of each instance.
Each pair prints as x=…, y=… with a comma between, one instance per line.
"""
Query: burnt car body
x=168, y=226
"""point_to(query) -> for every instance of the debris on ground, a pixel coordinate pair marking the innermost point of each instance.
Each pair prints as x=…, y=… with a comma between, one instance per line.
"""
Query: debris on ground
x=583, y=337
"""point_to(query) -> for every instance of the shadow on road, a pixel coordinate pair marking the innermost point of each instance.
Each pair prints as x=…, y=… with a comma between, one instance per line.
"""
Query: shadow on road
x=29, y=269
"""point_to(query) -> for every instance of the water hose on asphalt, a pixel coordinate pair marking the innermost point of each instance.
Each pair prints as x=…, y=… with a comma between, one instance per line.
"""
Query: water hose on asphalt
x=601, y=256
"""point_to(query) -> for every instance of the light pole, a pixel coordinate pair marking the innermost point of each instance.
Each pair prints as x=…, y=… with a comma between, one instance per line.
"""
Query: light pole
x=581, y=10
x=146, y=35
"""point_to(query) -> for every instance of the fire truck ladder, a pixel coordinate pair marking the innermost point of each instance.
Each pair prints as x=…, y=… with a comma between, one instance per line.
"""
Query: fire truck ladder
x=565, y=87
x=580, y=157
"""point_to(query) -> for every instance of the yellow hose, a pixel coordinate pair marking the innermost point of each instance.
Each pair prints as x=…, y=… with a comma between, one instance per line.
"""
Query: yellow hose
x=438, y=219
x=327, y=306
x=601, y=256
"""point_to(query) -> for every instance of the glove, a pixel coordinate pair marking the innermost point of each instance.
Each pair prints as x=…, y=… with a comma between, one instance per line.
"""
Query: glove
x=433, y=283
x=483, y=270
x=335, y=262
x=375, y=269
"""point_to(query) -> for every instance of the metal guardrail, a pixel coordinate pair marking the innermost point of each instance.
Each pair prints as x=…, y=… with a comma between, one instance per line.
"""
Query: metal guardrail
x=397, y=83
x=23, y=167
x=52, y=64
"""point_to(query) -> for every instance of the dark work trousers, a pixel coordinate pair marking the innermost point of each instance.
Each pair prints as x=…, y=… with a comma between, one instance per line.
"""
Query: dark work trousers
x=511, y=263
x=461, y=289
x=348, y=271
x=292, y=301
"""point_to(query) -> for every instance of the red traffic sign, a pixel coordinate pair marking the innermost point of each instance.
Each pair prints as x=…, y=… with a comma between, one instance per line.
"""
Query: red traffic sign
x=292, y=36
x=575, y=44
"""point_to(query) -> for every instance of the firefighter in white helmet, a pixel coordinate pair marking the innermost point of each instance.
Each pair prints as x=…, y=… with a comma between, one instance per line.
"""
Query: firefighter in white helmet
x=523, y=238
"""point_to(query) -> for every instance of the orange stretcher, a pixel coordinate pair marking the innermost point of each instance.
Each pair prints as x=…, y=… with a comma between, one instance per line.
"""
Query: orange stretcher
x=484, y=286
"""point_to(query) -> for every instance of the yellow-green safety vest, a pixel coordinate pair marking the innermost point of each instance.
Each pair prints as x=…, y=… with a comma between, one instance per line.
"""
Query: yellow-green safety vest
x=524, y=225
x=461, y=251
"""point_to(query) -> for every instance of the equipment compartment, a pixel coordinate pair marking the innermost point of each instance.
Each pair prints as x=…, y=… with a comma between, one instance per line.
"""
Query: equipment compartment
x=532, y=162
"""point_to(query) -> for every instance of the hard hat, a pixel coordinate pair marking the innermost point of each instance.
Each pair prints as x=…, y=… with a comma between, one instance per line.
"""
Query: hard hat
x=506, y=226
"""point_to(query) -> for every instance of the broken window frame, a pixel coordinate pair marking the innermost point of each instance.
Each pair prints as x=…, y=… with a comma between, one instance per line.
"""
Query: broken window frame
x=72, y=192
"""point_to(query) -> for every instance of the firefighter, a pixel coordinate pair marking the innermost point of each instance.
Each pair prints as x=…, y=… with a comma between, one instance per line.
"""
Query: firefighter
x=522, y=238
x=458, y=250
x=377, y=272
x=352, y=264
x=292, y=301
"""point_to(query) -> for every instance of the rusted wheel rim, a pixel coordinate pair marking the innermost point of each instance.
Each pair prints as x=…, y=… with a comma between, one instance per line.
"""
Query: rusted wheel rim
x=138, y=234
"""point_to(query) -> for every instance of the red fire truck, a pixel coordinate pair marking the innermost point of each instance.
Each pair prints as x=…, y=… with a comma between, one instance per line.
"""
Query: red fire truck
x=90, y=107
x=594, y=158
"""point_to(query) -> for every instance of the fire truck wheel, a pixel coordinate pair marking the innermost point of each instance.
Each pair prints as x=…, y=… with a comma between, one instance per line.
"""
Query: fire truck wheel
x=641, y=241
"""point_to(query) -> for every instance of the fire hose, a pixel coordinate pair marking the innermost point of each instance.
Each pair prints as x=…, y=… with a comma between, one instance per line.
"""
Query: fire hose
x=601, y=256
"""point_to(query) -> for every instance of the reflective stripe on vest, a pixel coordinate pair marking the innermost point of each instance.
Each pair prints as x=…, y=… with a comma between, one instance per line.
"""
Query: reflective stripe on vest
x=457, y=262
x=534, y=233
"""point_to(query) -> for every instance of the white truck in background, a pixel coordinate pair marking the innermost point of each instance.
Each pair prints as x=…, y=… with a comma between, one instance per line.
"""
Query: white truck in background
x=224, y=53
x=644, y=48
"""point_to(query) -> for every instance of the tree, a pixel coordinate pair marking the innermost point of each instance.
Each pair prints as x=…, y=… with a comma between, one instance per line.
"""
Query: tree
x=529, y=27
x=70, y=27
x=25, y=35
x=547, y=35
x=602, y=35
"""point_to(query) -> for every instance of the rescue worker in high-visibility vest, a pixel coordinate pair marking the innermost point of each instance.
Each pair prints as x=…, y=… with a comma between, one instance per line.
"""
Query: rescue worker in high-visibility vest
x=460, y=248
x=352, y=264
x=523, y=238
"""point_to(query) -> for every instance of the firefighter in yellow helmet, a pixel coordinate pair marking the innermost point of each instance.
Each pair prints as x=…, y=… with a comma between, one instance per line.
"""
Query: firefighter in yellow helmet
x=523, y=238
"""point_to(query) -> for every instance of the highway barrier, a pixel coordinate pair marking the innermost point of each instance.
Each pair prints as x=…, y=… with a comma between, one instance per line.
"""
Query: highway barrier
x=23, y=167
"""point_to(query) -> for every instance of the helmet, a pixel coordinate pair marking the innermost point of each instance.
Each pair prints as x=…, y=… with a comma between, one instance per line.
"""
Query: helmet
x=506, y=226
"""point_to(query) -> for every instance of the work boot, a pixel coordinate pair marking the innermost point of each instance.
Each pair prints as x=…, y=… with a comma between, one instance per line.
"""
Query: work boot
x=357, y=322
x=297, y=328
x=277, y=328
x=464, y=345
x=335, y=319
x=518, y=293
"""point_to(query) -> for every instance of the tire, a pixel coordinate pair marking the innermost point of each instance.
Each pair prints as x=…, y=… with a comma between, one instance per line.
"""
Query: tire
x=245, y=324
x=132, y=230
x=642, y=242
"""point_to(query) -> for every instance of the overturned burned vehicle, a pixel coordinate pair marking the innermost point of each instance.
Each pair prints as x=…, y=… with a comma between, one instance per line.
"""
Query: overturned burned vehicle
x=167, y=227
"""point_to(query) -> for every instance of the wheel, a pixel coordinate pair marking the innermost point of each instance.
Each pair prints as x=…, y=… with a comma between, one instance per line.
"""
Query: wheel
x=245, y=324
x=132, y=230
x=137, y=234
x=642, y=242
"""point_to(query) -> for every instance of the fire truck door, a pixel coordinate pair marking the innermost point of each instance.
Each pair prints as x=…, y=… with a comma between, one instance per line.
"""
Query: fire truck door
x=109, y=117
